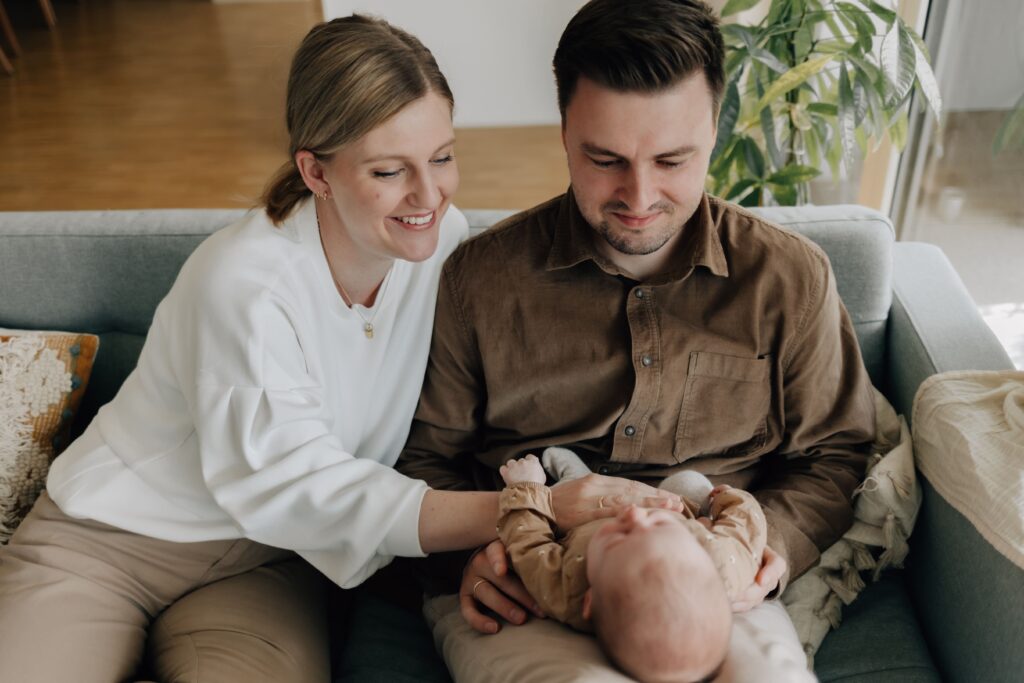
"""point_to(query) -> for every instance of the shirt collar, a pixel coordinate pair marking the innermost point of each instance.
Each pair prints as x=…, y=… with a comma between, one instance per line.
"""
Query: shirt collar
x=573, y=242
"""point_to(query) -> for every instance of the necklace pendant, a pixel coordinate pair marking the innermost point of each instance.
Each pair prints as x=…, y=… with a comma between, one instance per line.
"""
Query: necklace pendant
x=368, y=330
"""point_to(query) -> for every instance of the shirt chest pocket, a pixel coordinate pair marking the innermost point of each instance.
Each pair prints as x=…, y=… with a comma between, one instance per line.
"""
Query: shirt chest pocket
x=725, y=405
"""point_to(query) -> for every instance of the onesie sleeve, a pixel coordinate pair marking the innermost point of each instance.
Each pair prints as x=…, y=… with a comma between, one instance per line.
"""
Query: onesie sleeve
x=551, y=573
x=737, y=538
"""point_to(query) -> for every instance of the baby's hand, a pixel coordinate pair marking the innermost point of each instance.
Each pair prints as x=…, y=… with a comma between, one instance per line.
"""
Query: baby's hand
x=718, y=489
x=524, y=469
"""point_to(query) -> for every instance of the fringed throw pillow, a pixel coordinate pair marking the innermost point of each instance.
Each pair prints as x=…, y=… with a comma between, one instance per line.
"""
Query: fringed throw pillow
x=43, y=376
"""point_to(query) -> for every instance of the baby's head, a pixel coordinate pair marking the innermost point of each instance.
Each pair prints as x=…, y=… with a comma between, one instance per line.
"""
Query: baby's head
x=656, y=601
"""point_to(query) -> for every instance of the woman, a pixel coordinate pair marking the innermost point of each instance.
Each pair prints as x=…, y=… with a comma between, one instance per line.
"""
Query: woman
x=271, y=399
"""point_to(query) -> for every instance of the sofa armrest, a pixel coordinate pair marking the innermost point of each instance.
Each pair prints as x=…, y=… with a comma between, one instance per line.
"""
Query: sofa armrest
x=934, y=325
x=968, y=596
x=967, y=551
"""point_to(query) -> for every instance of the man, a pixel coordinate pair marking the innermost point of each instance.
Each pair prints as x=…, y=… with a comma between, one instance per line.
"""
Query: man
x=642, y=323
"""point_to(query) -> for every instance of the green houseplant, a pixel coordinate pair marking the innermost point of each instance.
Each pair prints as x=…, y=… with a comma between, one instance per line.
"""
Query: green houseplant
x=815, y=82
x=1011, y=133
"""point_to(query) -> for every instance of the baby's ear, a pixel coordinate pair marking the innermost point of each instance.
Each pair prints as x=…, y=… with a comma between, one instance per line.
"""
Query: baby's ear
x=588, y=598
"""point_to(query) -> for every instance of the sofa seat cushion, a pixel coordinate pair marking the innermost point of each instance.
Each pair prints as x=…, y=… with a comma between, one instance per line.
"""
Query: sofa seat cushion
x=879, y=640
x=385, y=643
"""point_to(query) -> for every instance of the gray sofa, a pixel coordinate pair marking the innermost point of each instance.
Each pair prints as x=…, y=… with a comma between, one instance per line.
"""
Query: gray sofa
x=956, y=613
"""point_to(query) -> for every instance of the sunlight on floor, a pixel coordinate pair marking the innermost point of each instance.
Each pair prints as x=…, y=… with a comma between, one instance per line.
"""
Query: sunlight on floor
x=1007, y=321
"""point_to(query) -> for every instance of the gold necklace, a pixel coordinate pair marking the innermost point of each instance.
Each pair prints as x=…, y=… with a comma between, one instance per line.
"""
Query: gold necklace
x=345, y=296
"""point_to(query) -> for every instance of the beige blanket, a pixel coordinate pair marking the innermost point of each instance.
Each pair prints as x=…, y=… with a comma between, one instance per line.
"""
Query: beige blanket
x=969, y=442
x=885, y=508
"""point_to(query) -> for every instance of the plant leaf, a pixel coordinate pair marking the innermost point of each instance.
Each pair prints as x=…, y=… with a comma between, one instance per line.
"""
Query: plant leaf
x=768, y=59
x=810, y=137
x=759, y=53
x=898, y=131
x=793, y=78
x=876, y=122
x=1011, y=133
x=899, y=63
x=735, y=6
x=864, y=26
x=847, y=115
x=740, y=188
x=923, y=71
x=735, y=60
x=802, y=41
x=834, y=156
x=727, y=116
x=823, y=108
x=752, y=199
x=793, y=174
x=768, y=130
x=884, y=13
x=754, y=158
x=860, y=102
x=785, y=195
x=777, y=10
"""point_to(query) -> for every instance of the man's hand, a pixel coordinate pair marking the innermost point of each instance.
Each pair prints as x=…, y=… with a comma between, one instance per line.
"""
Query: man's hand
x=487, y=582
x=523, y=469
x=773, y=566
x=596, y=496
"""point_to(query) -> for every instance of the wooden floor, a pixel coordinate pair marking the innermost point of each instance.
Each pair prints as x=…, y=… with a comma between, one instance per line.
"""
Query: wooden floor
x=180, y=103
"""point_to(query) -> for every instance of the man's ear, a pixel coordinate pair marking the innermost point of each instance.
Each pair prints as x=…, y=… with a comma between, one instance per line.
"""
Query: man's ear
x=312, y=172
x=588, y=599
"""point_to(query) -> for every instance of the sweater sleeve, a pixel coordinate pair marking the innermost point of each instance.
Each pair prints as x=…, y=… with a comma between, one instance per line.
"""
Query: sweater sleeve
x=268, y=455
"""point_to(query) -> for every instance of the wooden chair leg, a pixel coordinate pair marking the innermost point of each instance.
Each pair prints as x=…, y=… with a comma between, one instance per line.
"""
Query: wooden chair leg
x=48, y=13
x=5, y=63
x=5, y=26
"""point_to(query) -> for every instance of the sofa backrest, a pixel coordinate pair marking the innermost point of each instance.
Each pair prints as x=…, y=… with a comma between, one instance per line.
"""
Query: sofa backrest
x=105, y=272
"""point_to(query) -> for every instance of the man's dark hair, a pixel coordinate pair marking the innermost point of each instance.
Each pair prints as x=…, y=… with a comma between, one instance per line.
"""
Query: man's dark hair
x=640, y=46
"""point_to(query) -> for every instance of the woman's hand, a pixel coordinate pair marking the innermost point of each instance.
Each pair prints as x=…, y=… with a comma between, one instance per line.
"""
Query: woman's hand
x=487, y=582
x=773, y=567
x=595, y=496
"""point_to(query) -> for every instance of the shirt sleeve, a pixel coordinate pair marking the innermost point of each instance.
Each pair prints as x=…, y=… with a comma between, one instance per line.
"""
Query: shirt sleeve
x=268, y=455
x=829, y=425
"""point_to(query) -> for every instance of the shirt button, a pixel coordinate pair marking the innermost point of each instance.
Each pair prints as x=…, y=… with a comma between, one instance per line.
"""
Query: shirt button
x=638, y=293
x=646, y=361
x=630, y=430
x=604, y=469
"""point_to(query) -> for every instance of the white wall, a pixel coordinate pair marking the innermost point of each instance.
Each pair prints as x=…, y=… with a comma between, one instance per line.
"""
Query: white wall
x=986, y=65
x=496, y=54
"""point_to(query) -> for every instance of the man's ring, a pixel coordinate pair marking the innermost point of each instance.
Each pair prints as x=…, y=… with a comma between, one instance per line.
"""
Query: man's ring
x=477, y=585
x=600, y=502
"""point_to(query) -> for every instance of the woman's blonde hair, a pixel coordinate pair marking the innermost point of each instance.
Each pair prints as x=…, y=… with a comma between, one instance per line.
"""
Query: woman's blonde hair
x=348, y=76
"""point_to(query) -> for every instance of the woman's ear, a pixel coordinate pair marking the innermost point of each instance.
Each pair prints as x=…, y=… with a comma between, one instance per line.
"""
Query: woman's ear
x=588, y=599
x=312, y=171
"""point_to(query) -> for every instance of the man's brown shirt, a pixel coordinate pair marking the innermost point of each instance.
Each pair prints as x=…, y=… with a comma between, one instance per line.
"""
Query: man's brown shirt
x=739, y=362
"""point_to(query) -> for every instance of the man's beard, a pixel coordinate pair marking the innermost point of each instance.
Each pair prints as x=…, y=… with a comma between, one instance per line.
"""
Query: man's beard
x=641, y=244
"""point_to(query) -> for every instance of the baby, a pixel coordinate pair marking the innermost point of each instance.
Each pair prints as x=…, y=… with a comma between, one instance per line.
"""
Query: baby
x=653, y=585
